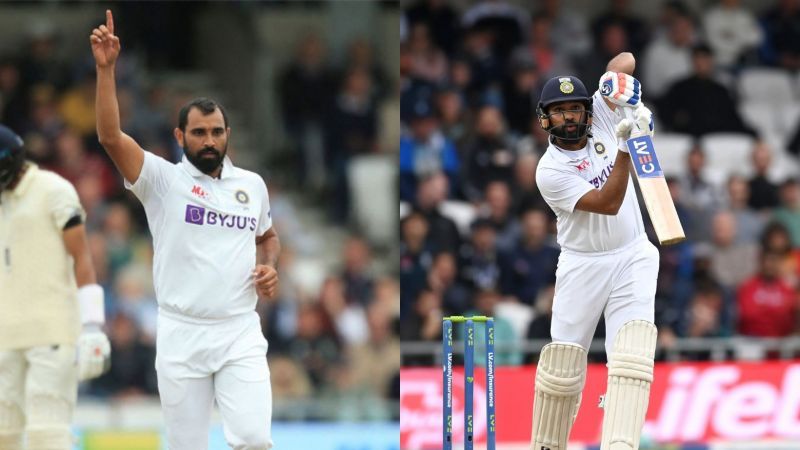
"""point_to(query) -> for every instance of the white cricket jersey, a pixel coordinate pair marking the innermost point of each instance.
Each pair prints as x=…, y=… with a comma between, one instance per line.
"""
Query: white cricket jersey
x=204, y=232
x=564, y=176
x=38, y=295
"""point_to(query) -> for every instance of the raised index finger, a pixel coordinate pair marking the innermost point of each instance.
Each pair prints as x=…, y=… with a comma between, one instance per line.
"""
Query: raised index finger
x=109, y=21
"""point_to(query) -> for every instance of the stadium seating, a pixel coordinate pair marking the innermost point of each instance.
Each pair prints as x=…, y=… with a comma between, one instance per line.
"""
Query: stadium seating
x=672, y=151
x=727, y=154
x=772, y=86
x=373, y=184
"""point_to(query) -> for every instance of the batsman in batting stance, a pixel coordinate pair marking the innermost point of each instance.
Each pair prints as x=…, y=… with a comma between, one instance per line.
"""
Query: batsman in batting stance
x=607, y=265
x=51, y=307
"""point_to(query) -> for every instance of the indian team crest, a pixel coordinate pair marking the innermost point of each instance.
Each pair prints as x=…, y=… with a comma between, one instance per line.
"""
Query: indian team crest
x=566, y=86
x=599, y=148
x=242, y=197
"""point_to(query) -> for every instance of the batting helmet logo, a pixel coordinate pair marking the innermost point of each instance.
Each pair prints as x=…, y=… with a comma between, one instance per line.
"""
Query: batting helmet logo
x=566, y=87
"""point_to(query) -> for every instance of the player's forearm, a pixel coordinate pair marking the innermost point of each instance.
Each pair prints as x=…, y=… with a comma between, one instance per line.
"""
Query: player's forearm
x=107, y=107
x=613, y=191
x=624, y=62
x=269, y=250
x=84, y=271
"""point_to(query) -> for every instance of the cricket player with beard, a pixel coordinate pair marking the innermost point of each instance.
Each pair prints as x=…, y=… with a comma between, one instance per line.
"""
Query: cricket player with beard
x=607, y=265
x=50, y=303
x=215, y=252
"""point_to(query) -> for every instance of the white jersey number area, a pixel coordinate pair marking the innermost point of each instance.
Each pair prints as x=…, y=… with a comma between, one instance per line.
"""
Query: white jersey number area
x=564, y=176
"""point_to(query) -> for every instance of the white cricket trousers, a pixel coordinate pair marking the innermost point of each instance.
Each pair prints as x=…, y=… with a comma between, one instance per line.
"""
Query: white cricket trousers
x=621, y=282
x=202, y=360
x=38, y=390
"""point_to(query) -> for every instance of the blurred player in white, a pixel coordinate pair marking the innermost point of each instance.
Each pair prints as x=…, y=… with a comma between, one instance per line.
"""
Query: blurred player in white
x=607, y=265
x=49, y=303
x=215, y=253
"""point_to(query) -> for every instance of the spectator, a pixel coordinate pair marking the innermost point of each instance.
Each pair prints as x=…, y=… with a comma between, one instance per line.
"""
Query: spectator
x=76, y=107
x=569, y=32
x=497, y=208
x=504, y=336
x=415, y=258
x=443, y=280
x=351, y=130
x=782, y=35
x=526, y=194
x=704, y=312
x=699, y=196
x=428, y=63
x=731, y=263
x=315, y=345
x=540, y=325
x=73, y=162
x=748, y=223
x=531, y=264
x=358, y=280
x=13, y=99
x=360, y=56
x=453, y=113
x=612, y=40
x=422, y=322
x=763, y=192
x=486, y=67
x=441, y=19
x=478, y=265
x=767, y=304
x=425, y=150
x=776, y=238
x=732, y=32
x=668, y=58
x=305, y=84
x=619, y=13
x=521, y=92
x=685, y=107
x=376, y=360
x=43, y=62
x=788, y=213
x=348, y=318
x=490, y=154
x=541, y=46
x=505, y=23
x=443, y=233
x=289, y=380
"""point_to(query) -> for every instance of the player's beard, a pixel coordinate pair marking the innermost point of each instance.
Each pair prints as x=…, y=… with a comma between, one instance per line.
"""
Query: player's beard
x=204, y=163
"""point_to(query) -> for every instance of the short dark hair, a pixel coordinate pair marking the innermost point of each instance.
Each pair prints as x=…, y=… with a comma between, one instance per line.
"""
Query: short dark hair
x=205, y=105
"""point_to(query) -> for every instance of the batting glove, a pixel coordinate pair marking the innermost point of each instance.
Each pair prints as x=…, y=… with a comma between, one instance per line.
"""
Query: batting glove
x=621, y=89
x=94, y=353
x=640, y=125
x=94, y=350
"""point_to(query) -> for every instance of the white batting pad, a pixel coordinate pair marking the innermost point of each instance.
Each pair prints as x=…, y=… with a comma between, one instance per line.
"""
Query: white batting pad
x=630, y=373
x=560, y=376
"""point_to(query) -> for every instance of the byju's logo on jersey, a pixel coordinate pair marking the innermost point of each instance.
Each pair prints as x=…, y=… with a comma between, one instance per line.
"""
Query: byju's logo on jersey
x=198, y=215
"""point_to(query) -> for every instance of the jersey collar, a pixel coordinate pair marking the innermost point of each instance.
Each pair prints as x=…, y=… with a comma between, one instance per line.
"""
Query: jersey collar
x=227, y=168
x=564, y=158
x=26, y=180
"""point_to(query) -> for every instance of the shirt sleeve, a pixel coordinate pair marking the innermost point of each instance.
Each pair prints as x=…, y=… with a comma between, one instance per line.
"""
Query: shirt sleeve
x=265, y=216
x=155, y=178
x=602, y=116
x=64, y=203
x=561, y=189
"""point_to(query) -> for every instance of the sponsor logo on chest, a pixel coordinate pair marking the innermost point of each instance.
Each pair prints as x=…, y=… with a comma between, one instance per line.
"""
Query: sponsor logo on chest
x=198, y=215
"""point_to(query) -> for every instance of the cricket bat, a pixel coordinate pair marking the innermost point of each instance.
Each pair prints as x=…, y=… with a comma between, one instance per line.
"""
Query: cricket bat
x=654, y=188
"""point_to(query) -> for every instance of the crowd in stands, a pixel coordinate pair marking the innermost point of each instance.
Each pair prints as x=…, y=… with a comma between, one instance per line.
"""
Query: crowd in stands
x=476, y=235
x=337, y=340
